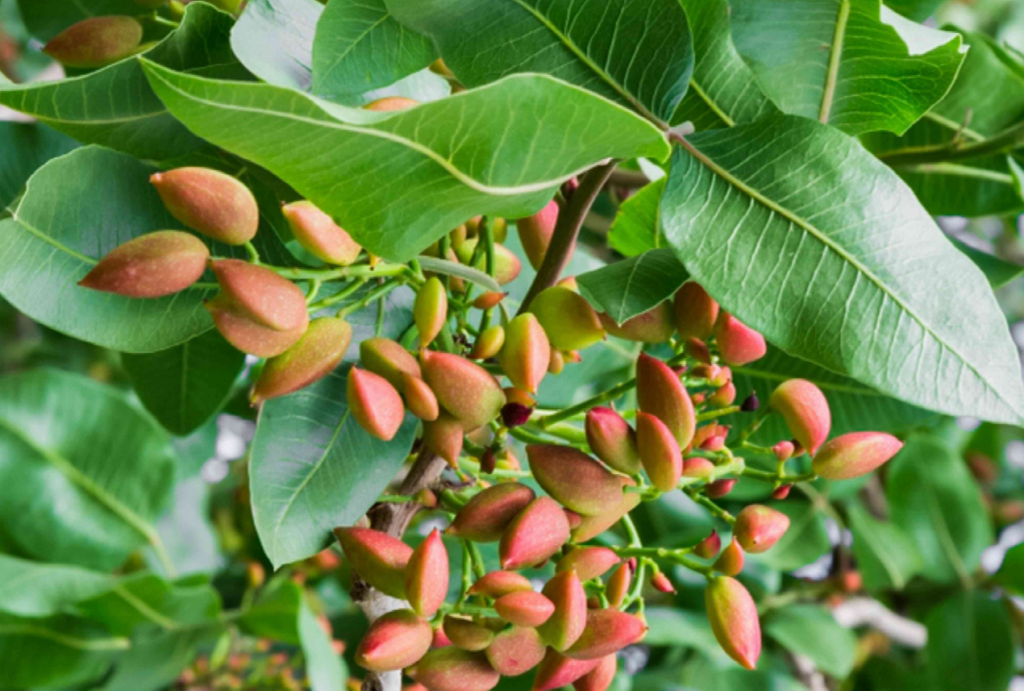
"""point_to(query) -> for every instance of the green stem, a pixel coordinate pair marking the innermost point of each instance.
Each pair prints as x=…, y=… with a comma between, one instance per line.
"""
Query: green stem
x=1007, y=140
x=773, y=478
x=382, y=270
x=340, y=296
x=375, y=294
x=676, y=556
x=715, y=414
x=157, y=19
x=254, y=255
x=474, y=468
x=712, y=508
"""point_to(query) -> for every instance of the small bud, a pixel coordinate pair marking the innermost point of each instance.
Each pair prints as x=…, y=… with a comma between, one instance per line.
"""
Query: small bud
x=698, y=350
x=95, y=42
x=526, y=354
x=599, y=678
x=783, y=451
x=247, y=335
x=261, y=295
x=556, y=671
x=388, y=359
x=430, y=310
x=704, y=433
x=733, y=617
x=592, y=526
x=659, y=452
x=723, y=396
x=319, y=234
x=750, y=403
x=374, y=403
x=854, y=454
x=660, y=393
x=719, y=488
x=150, y=266
x=661, y=583
x=737, y=342
x=709, y=547
x=499, y=583
x=573, y=478
x=378, y=558
x=607, y=631
x=389, y=103
x=713, y=444
x=211, y=202
x=467, y=634
x=489, y=300
x=255, y=574
x=556, y=362
x=394, y=641
x=536, y=533
x=453, y=669
x=535, y=233
x=803, y=406
x=419, y=398
x=426, y=576
x=758, y=528
x=315, y=356
x=463, y=388
x=568, y=319
x=486, y=516
x=781, y=492
x=516, y=650
x=589, y=562
x=730, y=561
x=698, y=467
x=695, y=311
x=612, y=440
x=524, y=608
x=566, y=625
x=653, y=326
x=488, y=343
x=618, y=585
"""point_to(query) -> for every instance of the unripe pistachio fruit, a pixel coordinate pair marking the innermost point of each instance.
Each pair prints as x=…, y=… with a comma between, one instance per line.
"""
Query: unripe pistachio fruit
x=709, y=546
x=430, y=310
x=698, y=467
x=524, y=608
x=444, y=435
x=261, y=295
x=389, y=103
x=607, y=631
x=568, y=319
x=463, y=388
x=556, y=671
x=499, y=583
x=565, y=626
x=592, y=526
x=211, y=202
x=378, y=558
x=96, y=41
x=516, y=650
x=660, y=392
x=661, y=583
x=506, y=264
x=589, y=562
x=489, y=300
x=556, y=362
x=659, y=452
x=419, y=398
x=599, y=678
x=150, y=266
x=536, y=533
x=737, y=342
x=526, y=353
x=612, y=440
x=388, y=359
x=723, y=396
x=485, y=517
x=535, y=233
x=573, y=478
x=247, y=335
x=854, y=454
x=394, y=641
x=319, y=234
x=653, y=326
x=720, y=488
x=806, y=411
x=695, y=312
x=312, y=358
x=734, y=621
x=454, y=669
x=758, y=528
x=374, y=403
x=489, y=343
x=467, y=634
x=426, y=576
x=618, y=584
x=730, y=561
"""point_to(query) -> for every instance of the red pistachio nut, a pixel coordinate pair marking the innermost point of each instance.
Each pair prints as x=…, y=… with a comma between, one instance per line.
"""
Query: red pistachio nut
x=488, y=514
x=489, y=300
x=430, y=310
x=698, y=467
x=661, y=583
x=568, y=319
x=311, y=359
x=526, y=353
x=516, y=650
x=566, y=625
x=591, y=526
x=783, y=451
x=781, y=492
x=737, y=342
x=467, y=634
x=211, y=202
x=854, y=454
x=803, y=406
x=426, y=576
x=589, y=562
x=612, y=440
x=536, y=533
x=150, y=266
x=618, y=584
x=394, y=641
x=95, y=42
x=661, y=393
x=695, y=312
x=709, y=546
x=378, y=558
x=723, y=396
x=535, y=233
x=389, y=103
x=734, y=621
x=374, y=403
x=607, y=631
x=659, y=452
x=489, y=343
x=388, y=359
x=319, y=234
x=557, y=670
x=524, y=608
x=419, y=398
x=574, y=519
x=454, y=669
x=758, y=528
x=599, y=678
x=698, y=350
x=247, y=335
x=573, y=478
x=653, y=326
x=440, y=638
x=719, y=488
x=261, y=295
x=498, y=583
x=463, y=388
x=730, y=561
x=444, y=436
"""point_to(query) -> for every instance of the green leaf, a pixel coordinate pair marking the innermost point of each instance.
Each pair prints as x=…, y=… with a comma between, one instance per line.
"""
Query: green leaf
x=807, y=258
x=805, y=541
x=998, y=271
x=1011, y=573
x=324, y=668
x=811, y=631
x=313, y=467
x=58, y=651
x=970, y=643
x=187, y=529
x=886, y=556
x=635, y=52
x=88, y=471
x=633, y=286
x=145, y=599
x=723, y=89
x=464, y=150
x=637, y=225
x=47, y=18
x=918, y=10
x=450, y=268
x=129, y=117
x=157, y=658
x=23, y=148
x=359, y=46
x=185, y=385
x=34, y=589
x=853, y=64
x=668, y=626
x=936, y=502
x=274, y=40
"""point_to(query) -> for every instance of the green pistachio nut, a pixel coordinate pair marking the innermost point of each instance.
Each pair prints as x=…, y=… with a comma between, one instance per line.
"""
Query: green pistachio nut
x=526, y=353
x=319, y=234
x=419, y=398
x=210, y=202
x=312, y=358
x=695, y=312
x=430, y=310
x=568, y=319
x=150, y=266
x=388, y=359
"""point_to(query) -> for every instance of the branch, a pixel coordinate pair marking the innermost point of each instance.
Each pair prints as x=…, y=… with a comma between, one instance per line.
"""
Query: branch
x=570, y=220
x=1005, y=141
x=628, y=178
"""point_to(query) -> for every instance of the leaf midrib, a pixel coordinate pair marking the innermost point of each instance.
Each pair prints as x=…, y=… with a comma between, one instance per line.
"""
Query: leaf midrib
x=834, y=61
x=86, y=644
x=352, y=46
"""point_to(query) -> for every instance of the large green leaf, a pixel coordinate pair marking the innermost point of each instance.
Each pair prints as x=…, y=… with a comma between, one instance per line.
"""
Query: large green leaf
x=936, y=502
x=886, y=556
x=115, y=107
x=411, y=176
x=86, y=472
x=47, y=18
x=637, y=52
x=35, y=589
x=811, y=631
x=359, y=46
x=23, y=148
x=157, y=657
x=146, y=600
x=970, y=643
x=633, y=286
x=55, y=652
x=810, y=240
x=183, y=386
x=637, y=225
x=274, y=40
x=853, y=64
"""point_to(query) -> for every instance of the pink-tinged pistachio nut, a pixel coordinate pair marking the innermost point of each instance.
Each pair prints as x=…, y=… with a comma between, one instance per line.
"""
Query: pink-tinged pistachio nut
x=730, y=561
x=659, y=452
x=574, y=519
x=430, y=310
x=526, y=353
x=389, y=103
x=781, y=492
x=211, y=202
x=653, y=326
x=454, y=669
x=489, y=300
x=536, y=533
x=535, y=233
x=426, y=576
x=374, y=403
x=516, y=650
x=394, y=641
x=612, y=440
x=426, y=497
x=599, y=678
x=523, y=398
x=467, y=634
x=570, y=283
x=498, y=583
x=783, y=451
x=150, y=266
x=661, y=583
x=698, y=467
x=758, y=528
x=463, y=388
x=723, y=396
x=261, y=295
x=378, y=558
x=698, y=350
x=660, y=392
x=573, y=478
x=566, y=625
x=444, y=436
x=695, y=312
x=315, y=356
x=506, y=265
x=733, y=616
x=499, y=227
x=719, y=488
x=591, y=526
x=96, y=41
x=607, y=631
x=806, y=411
x=704, y=433
x=709, y=547
x=568, y=319
x=524, y=608
x=589, y=562
x=441, y=639
x=489, y=343
x=855, y=454
x=556, y=362
x=618, y=584
x=720, y=376
x=319, y=234
x=388, y=359
x=245, y=334
x=713, y=444
x=486, y=516
x=557, y=670
x=419, y=398
x=737, y=342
